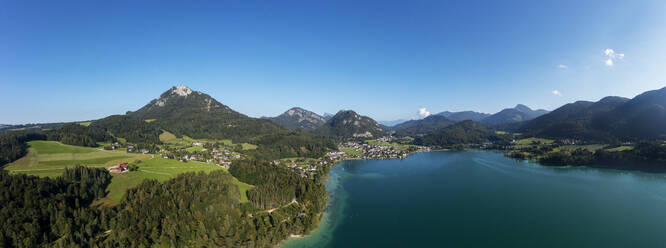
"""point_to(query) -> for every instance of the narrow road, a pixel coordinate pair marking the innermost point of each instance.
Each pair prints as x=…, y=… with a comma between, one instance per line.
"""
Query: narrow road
x=273, y=209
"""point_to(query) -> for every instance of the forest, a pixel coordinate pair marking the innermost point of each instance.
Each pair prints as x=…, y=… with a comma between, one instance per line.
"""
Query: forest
x=79, y=135
x=132, y=129
x=41, y=211
x=461, y=133
x=290, y=144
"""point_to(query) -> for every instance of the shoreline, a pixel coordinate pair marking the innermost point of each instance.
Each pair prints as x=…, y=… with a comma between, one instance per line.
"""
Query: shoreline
x=293, y=237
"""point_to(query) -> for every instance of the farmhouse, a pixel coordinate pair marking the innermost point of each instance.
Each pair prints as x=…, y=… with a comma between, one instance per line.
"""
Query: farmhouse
x=118, y=168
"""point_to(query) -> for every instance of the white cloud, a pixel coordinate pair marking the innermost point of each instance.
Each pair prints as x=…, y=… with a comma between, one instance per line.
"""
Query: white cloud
x=612, y=56
x=423, y=112
x=557, y=93
x=561, y=66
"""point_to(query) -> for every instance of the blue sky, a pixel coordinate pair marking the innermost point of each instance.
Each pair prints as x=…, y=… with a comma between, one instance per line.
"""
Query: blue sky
x=69, y=60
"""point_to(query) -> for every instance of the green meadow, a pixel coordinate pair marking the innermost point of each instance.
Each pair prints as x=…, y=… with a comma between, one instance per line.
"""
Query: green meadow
x=159, y=169
x=530, y=141
x=49, y=158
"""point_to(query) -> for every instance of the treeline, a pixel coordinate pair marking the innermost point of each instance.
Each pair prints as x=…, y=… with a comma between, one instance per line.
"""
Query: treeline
x=39, y=212
x=644, y=155
x=461, y=133
x=79, y=135
x=132, y=129
x=13, y=145
x=290, y=144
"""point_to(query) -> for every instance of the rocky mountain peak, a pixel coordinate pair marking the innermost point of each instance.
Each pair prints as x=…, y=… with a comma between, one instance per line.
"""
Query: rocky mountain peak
x=181, y=90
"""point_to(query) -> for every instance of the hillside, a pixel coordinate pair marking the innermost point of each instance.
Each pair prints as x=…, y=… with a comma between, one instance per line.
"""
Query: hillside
x=182, y=111
x=349, y=124
x=609, y=118
x=644, y=116
x=511, y=115
x=298, y=118
x=464, y=115
x=464, y=132
x=423, y=126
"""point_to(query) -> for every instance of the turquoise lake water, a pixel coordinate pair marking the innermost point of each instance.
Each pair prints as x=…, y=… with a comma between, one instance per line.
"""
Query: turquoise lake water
x=482, y=199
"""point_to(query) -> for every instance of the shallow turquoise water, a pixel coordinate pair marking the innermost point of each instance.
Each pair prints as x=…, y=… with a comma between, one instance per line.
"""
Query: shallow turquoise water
x=482, y=199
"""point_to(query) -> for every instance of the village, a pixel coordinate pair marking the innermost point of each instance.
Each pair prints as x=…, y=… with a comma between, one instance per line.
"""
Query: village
x=222, y=154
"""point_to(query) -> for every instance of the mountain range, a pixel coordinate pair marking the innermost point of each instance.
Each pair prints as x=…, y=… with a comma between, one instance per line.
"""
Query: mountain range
x=423, y=126
x=185, y=112
x=644, y=116
x=516, y=114
x=464, y=115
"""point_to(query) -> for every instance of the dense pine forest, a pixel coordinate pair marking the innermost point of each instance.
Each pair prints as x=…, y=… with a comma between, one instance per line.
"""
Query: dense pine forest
x=291, y=144
x=79, y=135
x=132, y=129
x=55, y=212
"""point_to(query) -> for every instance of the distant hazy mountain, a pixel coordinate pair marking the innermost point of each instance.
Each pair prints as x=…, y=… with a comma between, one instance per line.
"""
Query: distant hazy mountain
x=464, y=115
x=327, y=116
x=349, y=124
x=423, y=126
x=515, y=114
x=298, y=118
x=30, y=127
x=185, y=112
x=392, y=123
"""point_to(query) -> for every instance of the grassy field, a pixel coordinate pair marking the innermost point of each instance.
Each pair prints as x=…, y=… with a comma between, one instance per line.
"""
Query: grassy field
x=247, y=146
x=395, y=145
x=156, y=168
x=378, y=143
x=351, y=151
x=621, y=148
x=49, y=158
x=85, y=123
x=166, y=136
x=194, y=149
x=591, y=148
x=159, y=169
x=530, y=141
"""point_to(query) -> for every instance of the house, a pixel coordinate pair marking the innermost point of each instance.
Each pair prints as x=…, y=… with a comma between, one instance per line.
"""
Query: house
x=118, y=168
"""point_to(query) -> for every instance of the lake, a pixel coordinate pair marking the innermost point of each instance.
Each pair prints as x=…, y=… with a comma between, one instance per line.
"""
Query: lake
x=483, y=199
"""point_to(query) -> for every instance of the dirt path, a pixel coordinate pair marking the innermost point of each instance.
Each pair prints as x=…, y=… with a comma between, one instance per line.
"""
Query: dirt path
x=273, y=209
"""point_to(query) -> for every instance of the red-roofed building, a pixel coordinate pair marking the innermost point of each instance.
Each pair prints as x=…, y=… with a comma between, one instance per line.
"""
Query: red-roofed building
x=119, y=168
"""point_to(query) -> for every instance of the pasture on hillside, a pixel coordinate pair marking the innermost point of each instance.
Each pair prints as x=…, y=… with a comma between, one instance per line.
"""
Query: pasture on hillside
x=49, y=158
